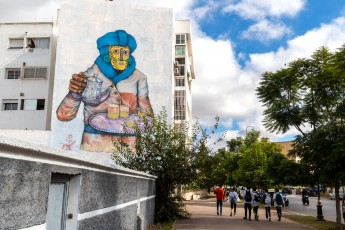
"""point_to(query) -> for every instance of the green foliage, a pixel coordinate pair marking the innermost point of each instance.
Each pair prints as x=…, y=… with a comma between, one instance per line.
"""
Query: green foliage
x=254, y=161
x=166, y=151
x=310, y=92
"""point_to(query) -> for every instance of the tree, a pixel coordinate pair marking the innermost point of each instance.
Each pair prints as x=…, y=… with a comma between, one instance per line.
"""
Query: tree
x=166, y=151
x=255, y=161
x=308, y=95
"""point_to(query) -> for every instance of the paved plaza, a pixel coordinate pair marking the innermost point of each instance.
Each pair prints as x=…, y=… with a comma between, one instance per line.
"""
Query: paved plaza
x=204, y=217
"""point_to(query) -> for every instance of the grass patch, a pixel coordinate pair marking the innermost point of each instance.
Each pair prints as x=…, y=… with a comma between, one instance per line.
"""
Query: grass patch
x=310, y=221
x=162, y=226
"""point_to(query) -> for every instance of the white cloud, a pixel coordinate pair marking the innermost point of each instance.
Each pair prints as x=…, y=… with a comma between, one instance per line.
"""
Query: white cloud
x=201, y=12
x=258, y=10
x=33, y=10
x=265, y=30
x=264, y=13
x=221, y=87
x=331, y=35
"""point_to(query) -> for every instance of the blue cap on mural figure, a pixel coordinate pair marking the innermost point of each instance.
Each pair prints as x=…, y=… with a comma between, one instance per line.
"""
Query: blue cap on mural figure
x=117, y=38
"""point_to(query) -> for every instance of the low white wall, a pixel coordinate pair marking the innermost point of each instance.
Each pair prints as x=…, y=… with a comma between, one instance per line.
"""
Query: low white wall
x=195, y=195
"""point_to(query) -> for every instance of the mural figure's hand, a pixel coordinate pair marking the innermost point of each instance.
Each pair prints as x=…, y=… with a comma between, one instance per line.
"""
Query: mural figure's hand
x=78, y=83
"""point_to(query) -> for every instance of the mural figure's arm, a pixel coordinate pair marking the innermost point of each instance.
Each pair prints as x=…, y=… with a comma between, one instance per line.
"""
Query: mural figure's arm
x=68, y=108
x=143, y=96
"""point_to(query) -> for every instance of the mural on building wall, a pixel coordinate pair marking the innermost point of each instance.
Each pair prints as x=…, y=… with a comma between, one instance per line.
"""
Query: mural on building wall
x=114, y=94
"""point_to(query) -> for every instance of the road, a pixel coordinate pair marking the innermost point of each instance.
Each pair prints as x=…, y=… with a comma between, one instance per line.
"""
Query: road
x=296, y=207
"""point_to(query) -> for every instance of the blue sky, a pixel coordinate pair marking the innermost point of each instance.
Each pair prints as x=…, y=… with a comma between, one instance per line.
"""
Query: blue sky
x=234, y=42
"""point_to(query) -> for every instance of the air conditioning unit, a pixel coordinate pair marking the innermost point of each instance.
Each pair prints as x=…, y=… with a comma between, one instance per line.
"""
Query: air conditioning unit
x=176, y=71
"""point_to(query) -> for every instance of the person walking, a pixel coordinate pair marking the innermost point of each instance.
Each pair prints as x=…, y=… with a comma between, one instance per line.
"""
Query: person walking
x=247, y=198
x=220, y=197
x=267, y=200
x=233, y=197
x=278, y=199
x=256, y=202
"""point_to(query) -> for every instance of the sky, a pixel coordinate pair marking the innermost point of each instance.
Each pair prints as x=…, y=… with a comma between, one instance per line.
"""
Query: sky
x=234, y=43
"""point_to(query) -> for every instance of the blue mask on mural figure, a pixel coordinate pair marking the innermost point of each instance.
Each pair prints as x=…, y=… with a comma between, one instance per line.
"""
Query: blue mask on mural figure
x=104, y=61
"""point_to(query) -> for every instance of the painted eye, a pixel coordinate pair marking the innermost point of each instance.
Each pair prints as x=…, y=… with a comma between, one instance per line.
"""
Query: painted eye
x=116, y=51
x=125, y=52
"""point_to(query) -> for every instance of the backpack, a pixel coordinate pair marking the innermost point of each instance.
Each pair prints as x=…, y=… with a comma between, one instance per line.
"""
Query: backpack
x=248, y=197
x=257, y=197
x=279, y=199
x=232, y=198
x=267, y=199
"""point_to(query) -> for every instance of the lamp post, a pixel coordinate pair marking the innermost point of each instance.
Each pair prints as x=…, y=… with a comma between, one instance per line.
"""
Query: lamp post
x=249, y=126
x=319, y=205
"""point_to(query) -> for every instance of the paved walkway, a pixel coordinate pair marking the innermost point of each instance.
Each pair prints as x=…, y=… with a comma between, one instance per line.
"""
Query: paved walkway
x=204, y=217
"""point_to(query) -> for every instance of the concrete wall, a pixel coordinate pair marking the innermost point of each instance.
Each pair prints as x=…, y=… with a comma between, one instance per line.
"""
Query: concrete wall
x=109, y=197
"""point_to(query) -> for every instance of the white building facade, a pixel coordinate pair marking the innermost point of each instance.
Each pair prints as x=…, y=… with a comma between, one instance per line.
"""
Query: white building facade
x=183, y=72
x=26, y=75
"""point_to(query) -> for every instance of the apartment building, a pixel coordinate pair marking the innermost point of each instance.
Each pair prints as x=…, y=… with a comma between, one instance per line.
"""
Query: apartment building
x=26, y=75
x=183, y=72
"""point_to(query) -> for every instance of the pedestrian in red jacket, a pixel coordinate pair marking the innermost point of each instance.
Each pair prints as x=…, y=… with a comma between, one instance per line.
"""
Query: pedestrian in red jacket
x=220, y=197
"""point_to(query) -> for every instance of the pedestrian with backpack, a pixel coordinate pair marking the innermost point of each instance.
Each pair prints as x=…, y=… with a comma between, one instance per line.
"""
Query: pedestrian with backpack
x=267, y=200
x=247, y=199
x=278, y=198
x=220, y=197
x=233, y=197
x=256, y=202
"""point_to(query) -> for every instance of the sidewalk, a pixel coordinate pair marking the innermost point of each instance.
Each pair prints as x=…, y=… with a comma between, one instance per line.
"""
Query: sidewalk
x=204, y=217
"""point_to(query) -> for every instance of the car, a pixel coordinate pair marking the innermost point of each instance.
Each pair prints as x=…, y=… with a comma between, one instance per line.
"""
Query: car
x=288, y=189
x=332, y=195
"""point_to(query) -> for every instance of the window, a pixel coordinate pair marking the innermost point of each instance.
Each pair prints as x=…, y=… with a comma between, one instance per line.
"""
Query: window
x=181, y=70
x=179, y=81
x=179, y=105
x=35, y=72
x=32, y=104
x=38, y=43
x=179, y=50
x=180, y=61
x=180, y=39
x=16, y=43
x=12, y=73
x=10, y=104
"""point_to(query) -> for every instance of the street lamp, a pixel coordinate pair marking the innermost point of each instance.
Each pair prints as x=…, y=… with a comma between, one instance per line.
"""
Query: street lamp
x=319, y=206
x=249, y=126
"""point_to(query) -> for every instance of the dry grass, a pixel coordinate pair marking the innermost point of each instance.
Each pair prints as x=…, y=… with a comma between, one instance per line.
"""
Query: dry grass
x=311, y=221
x=162, y=226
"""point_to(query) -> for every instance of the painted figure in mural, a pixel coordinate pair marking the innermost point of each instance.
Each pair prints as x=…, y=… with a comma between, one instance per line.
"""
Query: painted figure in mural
x=114, y=93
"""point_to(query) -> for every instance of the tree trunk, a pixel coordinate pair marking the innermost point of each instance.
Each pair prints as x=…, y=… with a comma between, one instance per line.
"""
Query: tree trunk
x=337, y=206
